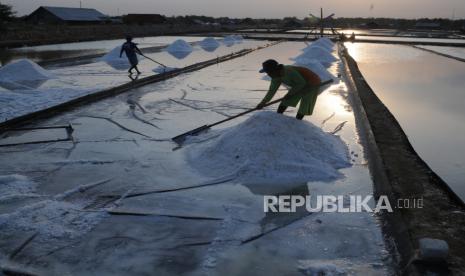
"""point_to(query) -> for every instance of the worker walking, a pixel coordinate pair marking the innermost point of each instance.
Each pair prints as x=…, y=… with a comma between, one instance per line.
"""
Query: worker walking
x=131, y=50
x=303, y=83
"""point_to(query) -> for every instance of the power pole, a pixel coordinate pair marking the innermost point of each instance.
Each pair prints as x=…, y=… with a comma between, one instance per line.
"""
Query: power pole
x=321, y=23
x=80, y=4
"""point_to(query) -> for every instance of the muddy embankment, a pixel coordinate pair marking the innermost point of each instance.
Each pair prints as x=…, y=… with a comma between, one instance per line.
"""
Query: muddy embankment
x=19, y=35
x=400, y=173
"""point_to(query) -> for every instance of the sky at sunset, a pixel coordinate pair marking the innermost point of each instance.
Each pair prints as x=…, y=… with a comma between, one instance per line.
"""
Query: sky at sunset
x=262, y=8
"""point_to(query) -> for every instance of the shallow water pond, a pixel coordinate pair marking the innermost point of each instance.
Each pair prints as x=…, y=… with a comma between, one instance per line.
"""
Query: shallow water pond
x=425, y=92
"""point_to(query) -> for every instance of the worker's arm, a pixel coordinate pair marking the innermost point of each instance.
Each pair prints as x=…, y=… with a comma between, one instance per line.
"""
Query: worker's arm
x=121, y=52
x=274, y=86
x=297, y=82
x=138, y=50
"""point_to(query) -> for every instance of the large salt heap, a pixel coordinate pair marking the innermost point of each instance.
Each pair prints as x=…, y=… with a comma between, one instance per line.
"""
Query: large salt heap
x=270, y=148
x=316, y=53
x=23, y=74
x=325, y=43
x=179, y=49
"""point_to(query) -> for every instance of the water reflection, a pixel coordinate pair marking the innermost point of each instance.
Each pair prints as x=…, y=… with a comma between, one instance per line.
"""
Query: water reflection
x=425, y=93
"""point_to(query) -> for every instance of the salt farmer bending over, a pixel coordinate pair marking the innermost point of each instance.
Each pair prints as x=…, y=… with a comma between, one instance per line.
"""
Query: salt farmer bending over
x=303, y=83
x=131, y=50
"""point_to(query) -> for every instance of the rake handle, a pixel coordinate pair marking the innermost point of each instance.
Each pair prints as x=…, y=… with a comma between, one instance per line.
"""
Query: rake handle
x=153, y=60
x=255, y=109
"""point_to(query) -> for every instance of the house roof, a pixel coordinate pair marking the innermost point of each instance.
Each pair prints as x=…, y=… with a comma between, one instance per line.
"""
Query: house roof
x=76, y=14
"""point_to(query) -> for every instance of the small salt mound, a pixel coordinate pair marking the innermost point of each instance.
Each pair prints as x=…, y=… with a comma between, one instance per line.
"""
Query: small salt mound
x=23, y=71
x=161, y=69
x=317, y=53
x=179, y=45
x=209, y=42
x=316, y=67
x=179, y=49
x=270, y=148
x=229, y=40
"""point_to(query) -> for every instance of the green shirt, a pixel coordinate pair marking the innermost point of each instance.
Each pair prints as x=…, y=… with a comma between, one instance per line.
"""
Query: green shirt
x=291, y=78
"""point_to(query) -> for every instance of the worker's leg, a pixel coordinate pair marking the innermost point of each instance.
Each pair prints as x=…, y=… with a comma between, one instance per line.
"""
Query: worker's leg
x=307, y=104
x=130, y=69
x=281, y=109
x=289, y=101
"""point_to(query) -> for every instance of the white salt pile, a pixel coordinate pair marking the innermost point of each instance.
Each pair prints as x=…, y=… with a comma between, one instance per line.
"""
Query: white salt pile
x=324, y=42
x=317, y=53
x=179, y=49
x=23, y=74
x=114, y=60
x=179, y=45
x=209, y=42
x=24, y=69
x=270, y=148
x=316, y=67
x=229, y=40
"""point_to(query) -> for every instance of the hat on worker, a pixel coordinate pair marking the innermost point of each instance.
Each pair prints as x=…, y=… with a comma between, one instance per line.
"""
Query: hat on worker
x=270, y=66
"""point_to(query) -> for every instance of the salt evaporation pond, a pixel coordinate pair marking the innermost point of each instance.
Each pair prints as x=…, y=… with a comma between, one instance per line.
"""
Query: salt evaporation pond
x=424, y=91
x=204, y=230
x=265, y=149
x=80, y=79
x=78, y=49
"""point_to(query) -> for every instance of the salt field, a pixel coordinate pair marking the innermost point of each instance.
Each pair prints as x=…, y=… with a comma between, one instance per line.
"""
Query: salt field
x=214, y=225
x=77, y=49
x=74, y=81
x=208, y=138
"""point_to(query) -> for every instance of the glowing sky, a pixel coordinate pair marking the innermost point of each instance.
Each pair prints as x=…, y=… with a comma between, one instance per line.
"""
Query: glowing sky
x=262, y=8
